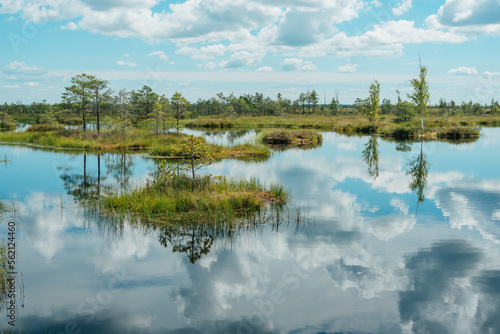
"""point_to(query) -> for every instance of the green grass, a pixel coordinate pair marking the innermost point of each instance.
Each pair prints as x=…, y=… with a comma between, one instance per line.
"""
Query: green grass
x=348, y=124
x=446, y=133
x=291, y=137
x=210, y=123
x=136, y=140
x=201, y=200
x=9, y=125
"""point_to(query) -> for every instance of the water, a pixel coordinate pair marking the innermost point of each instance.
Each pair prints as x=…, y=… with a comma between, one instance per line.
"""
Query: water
x=374, y=256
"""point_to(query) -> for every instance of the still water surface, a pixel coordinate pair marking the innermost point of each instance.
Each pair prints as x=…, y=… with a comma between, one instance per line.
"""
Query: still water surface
x=373, y=255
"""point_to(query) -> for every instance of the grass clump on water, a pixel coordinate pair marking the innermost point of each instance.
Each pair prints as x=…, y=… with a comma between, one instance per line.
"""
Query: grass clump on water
x=179, y=198
x=291, y=137
x=110, y=140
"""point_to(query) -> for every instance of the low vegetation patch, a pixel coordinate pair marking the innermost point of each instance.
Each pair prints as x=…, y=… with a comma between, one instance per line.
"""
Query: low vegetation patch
x=291, y=137
x=211, y=123
x=45, y=128
x=171, y=198
x=450, y=133
x=109, y=140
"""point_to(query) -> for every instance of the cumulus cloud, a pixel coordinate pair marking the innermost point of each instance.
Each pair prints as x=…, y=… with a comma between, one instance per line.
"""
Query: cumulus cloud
x=70, y=26
x=402, y=8
x=265, y=69
x=470, y=17
x=384, y=40
x=242, y=59
x=349, y=68
x=463, y=70
x=466, y=12
x=204, y=53
x=161, y=55
x=20, y=68
x=126, y=63
x=297, y=64
x=32, y=84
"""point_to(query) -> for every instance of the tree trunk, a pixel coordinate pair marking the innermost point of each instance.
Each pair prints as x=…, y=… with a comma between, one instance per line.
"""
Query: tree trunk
x=177, y=119
x=98, y=174
x=98, y=111
x=84, y=115
x=422, y=117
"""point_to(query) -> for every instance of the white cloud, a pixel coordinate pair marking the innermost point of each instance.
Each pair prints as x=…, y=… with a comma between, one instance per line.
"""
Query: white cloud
x=210, y=65
x=242, y=59
x=348, y=68
x=402, y=8
x=20, y=68
x=70, y=26
x=126, y=63
x=204, y=53
x=491, y=74
x=161, y=55
x=463, y=70
x=470, y=17
x=265, y=69
x=297, y=64
x=32, y=84
x=384, y=40
x=11, y=6
x=10, y=86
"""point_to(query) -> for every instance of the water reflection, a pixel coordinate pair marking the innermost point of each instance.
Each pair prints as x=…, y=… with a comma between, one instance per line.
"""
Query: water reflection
x=370, y=156
x=367, y=264
x=121, y=168
x=418, y=171
x=439, y=299
x=82, y=186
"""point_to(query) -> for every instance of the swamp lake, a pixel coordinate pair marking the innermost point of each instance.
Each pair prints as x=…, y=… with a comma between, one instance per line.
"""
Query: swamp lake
x=379, y=237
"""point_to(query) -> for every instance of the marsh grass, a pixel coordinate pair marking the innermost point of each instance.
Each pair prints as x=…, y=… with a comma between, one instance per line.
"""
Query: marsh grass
x=109, y=140
x=291, y=137
x=203, y=199
x=354, y=124
x=3, y=272
x=210, y=123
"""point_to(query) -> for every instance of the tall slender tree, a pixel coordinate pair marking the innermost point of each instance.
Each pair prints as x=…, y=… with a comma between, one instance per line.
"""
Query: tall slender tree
x=178, y=103
x=99, y=94
x=420, y=96
x=144, y=100
x=371, y=104
x=79, y=93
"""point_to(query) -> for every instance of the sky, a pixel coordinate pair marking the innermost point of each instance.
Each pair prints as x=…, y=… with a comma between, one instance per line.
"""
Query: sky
x=202, y=47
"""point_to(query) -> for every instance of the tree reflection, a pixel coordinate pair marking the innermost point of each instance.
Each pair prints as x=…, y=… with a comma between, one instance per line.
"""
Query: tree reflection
x=120, y=167
x=195, y=240
x=403, y=146
x=370, y=156
x=418, y=170
x=84, y=186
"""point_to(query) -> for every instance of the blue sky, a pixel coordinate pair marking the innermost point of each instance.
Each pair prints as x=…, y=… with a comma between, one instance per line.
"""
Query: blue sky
x=202, y=47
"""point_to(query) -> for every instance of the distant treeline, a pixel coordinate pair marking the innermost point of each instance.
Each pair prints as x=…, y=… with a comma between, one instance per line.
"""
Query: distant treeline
x=140, y=104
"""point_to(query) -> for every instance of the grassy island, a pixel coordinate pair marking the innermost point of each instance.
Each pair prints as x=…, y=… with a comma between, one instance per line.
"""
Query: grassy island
x=291, y=137
x=134, y=140
x=208, y=199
